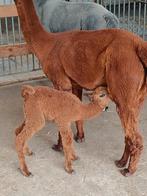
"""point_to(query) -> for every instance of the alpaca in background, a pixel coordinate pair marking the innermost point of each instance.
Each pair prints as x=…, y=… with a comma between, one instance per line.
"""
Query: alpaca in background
x=59, y=15
x=43, y=104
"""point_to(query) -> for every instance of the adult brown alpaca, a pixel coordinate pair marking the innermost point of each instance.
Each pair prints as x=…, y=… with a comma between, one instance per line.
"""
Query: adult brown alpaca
x=113, y=58
x=43, y=103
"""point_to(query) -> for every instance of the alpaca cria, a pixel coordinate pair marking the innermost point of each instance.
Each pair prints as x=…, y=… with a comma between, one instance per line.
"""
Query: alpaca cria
x=43, y=103
x=112, y=57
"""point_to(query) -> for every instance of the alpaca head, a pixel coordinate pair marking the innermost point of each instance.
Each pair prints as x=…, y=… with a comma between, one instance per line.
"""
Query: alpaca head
x=99, y=96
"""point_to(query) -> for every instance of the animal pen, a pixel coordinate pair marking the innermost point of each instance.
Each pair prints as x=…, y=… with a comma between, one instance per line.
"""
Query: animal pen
x=15, y=58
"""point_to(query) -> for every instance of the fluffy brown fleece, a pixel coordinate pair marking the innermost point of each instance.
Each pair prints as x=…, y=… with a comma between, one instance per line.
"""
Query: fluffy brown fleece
x=43, y=103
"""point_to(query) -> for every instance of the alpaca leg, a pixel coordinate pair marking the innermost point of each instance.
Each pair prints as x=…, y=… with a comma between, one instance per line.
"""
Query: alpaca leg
x=67, y=140
x=58, y=147
x=133, y=140
x=125, y=80
x=19, y=129
x=124, y=159
x=21, y=139
x=64, y=85
x=26, y=150
x=79, y=124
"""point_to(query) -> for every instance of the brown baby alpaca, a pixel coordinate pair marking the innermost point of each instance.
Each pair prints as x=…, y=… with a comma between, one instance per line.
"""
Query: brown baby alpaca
x=43, y=103
x=113, y=58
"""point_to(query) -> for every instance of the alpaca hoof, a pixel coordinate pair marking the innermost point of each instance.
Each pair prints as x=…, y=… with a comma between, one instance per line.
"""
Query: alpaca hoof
x=120, y=164
x=30, y=153
x=57, y=147
x=70, y=171
x=79, y=139
x=75, y=158
x=125, y=172
x=26, y=173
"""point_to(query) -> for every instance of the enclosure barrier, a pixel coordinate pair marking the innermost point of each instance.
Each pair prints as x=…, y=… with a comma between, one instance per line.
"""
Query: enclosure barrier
x=15, y=56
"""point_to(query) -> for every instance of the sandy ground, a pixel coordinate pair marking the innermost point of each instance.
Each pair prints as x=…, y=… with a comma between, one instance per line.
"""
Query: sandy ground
x=95, y=172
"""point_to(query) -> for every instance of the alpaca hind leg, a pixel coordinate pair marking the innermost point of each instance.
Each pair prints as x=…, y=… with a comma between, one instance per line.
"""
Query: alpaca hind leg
x=19, y=129
x=26, y=149
x=21, y=140
x=133, y=140
x=125, y=157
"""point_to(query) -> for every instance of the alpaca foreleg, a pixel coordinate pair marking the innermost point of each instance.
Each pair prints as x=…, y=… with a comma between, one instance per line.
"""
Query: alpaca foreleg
x=67, y=140
x=79, y=137
x=63, y=83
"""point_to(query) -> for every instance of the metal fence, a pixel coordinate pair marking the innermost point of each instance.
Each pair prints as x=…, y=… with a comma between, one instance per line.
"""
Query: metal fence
x=132, y=15
x=10, y=33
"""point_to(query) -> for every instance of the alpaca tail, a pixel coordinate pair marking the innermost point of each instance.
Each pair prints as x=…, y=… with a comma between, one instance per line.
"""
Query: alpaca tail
x=27, y=90
x=142, y=53
x=111, y=20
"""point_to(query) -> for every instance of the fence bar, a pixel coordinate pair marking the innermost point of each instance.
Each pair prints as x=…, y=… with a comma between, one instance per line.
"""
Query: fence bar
x=128, y=14
x=144, y=21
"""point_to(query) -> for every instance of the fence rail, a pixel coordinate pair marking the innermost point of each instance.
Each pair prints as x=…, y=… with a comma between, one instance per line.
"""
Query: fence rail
x=14, y=54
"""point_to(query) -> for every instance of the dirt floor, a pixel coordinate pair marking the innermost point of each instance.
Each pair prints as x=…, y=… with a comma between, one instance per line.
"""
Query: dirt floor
x=95, y=172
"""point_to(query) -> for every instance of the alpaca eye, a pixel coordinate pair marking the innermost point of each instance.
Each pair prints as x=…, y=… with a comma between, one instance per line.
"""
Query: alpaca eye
x=102, y=95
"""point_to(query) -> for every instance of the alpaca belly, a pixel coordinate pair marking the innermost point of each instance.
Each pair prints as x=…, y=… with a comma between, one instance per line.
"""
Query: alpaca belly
x=84, y=66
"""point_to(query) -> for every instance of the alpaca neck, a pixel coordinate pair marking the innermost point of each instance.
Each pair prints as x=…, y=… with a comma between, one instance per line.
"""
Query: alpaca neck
x=34, y=33
x=90, y=110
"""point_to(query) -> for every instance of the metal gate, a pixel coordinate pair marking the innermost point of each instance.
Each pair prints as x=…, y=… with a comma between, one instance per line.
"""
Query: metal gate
x=132, y=15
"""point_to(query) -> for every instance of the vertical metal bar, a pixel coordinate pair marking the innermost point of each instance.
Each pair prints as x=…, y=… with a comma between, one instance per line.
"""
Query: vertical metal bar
x=9, y=64
x=7, y=32
x=128, y=15
x=2, y=41
x=13, y=30
x=134, y=15
x=14, y=41
x=124, y=9
x=114, y=7
x=21, y=62
x=139, y=18
x=33, y=61
x=110, y=5
x=1, y=33
x=144, y=22
x=27, y=62
x=19, y=31
x=119, y=10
